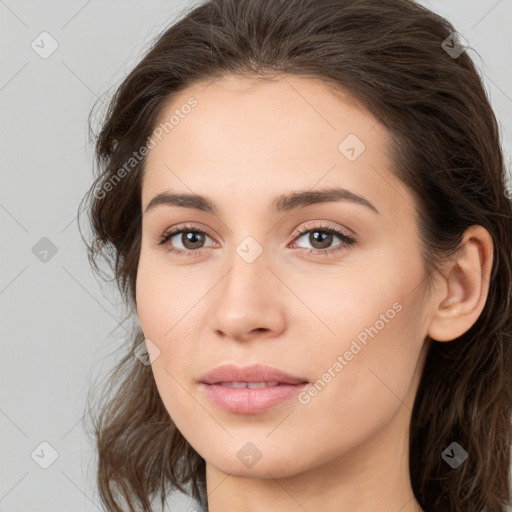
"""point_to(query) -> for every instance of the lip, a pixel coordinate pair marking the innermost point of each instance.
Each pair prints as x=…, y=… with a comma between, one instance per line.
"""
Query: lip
x=246, y=400
x=252, y=373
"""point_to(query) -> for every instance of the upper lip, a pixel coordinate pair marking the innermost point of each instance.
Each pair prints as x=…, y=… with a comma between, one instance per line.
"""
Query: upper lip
x=252, y=373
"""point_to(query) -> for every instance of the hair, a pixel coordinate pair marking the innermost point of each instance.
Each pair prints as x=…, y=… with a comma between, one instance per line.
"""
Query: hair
x=388, y=56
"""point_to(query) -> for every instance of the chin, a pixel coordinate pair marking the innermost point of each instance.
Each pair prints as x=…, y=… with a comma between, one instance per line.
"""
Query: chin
x=266, y=464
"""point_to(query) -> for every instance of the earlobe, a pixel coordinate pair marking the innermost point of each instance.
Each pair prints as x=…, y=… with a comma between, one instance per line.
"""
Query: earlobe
x=463, y=294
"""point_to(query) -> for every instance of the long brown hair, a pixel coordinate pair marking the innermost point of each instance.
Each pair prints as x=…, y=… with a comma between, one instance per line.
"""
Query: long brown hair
x=397, y=59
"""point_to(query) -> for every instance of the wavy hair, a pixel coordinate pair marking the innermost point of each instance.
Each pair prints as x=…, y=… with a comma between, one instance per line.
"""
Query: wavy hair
x=392, y=57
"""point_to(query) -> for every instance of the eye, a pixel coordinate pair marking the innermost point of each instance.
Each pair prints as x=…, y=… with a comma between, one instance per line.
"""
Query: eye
x=190, y=237
x=321, y=237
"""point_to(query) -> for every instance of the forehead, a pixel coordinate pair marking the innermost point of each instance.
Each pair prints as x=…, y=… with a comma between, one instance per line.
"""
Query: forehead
x=246, y=114
x=245, y=137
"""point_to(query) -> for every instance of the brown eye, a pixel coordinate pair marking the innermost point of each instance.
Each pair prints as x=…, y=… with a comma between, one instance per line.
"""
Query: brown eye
x=185, y=240
x=192, y=239
x=320, y=239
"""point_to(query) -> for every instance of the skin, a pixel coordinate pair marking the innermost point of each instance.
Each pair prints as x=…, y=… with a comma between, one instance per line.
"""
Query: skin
x=242, y=145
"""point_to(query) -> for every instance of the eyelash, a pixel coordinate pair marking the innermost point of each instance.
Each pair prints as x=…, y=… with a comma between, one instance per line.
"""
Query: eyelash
x=346, y=241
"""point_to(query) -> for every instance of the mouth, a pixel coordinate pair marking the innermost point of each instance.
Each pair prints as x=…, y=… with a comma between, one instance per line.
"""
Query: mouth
x=256, y=374
x=241, y=398
x=250, y=385
x=250, y=390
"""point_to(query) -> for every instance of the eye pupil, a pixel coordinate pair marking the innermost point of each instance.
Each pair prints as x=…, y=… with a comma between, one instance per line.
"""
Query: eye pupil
x=325, y=239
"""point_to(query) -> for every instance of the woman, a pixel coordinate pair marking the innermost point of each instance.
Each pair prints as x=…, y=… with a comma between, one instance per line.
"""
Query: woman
x=305, y=206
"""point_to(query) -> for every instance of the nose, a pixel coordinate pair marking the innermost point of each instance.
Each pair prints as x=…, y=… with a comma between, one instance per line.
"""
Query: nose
x=249, y=301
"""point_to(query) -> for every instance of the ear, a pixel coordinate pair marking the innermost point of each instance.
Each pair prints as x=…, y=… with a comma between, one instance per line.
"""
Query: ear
x=462, y=294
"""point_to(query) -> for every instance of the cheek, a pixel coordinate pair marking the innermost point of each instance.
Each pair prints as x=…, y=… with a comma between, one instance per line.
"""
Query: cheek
x=150, y=302
x=170, y=315
x=366, y=332
x=160, y=305
x=162, y=297
x=342, y=303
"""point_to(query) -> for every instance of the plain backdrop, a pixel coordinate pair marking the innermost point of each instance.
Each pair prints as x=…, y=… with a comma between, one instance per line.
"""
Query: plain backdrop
x=59, y=326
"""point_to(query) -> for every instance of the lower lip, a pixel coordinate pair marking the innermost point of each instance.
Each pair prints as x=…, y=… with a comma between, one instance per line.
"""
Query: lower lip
x=250, y=401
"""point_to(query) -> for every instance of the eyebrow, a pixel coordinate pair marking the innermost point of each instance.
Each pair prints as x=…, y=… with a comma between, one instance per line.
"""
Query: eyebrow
x=282, y=203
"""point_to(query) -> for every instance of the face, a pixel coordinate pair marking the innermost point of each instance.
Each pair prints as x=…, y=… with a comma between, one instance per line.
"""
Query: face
x=329, y=288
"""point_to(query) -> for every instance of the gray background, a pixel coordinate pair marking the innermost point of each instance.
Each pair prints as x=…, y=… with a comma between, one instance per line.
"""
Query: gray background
x=59, y=326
